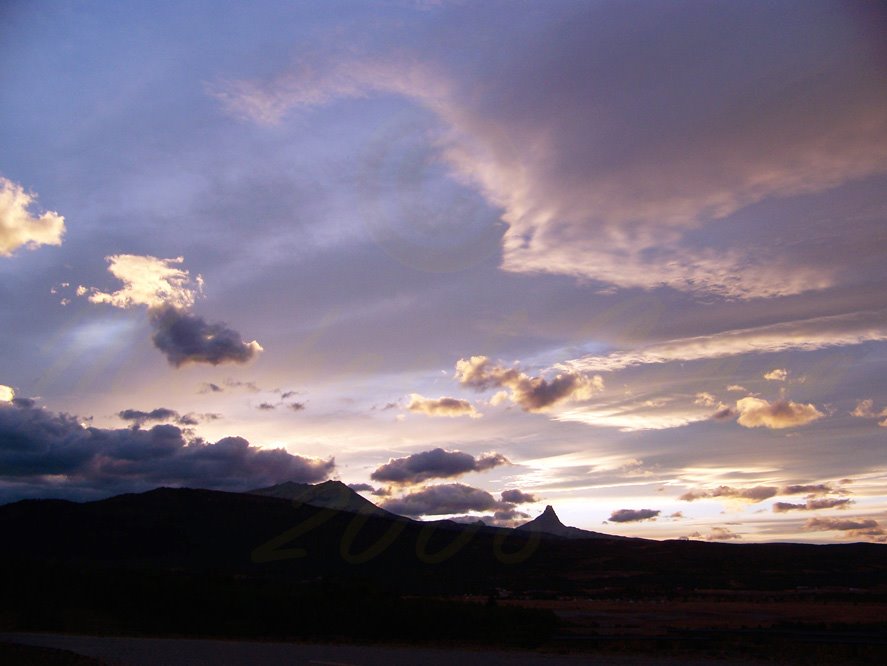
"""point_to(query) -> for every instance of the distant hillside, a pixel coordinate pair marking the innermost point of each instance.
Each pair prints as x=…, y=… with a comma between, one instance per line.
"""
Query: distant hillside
x=548, y=523
x=329, y=494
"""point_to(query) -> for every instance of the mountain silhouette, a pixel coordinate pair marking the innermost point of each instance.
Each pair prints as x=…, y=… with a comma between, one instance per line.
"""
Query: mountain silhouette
x=328, y=495
x=548, y=523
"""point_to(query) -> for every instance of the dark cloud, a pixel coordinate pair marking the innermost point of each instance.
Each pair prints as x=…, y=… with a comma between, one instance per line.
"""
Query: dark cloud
x=187, y=338
x=518, y=497
x=811, y=488
x=443, y=499
x=288, y=394
x=252, y=387
x=813, y=505
x=632, y=515
x=507, y=516
x=209, y=387
x=297, y=406
x=435, y=464
x=857, y=528
x=82, y=461
x=24, y=403
x=361, y=487
x=266, y=406
x=755, y=494
x=532, y=394
x=139, y=417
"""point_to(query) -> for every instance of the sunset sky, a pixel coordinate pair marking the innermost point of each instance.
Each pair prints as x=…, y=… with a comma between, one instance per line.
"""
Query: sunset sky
x=626, y=258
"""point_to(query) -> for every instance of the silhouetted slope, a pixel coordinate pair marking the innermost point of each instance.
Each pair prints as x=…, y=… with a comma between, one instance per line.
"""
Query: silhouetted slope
x=548, y=523
x=329, y=494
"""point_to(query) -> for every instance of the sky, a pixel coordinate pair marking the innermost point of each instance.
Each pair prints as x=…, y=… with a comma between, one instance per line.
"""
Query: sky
x=474, y=258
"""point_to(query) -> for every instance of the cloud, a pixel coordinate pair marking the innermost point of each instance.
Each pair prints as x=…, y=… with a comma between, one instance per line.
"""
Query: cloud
x=435, y=464
x=443, y=499
x=139, y=417
x=814, y=489
x=705, y=399
x=760, y=493
x=169, y=292
x=865, y=409
x=632, y=515
x=50, y=454
x=297, y=406
x=755, y=494
x=776, y=375
x=266, y=406
x=627, y=199
x=866, y=528
x=722, y=534
x=813, y=505
x=19, y=227
x=515, y=496
x=736, y=388
x=758, y=413
x=361, y=487
x=533, y=394
x=7, y=394
x=147, y=281
x=186, y=338
x=803, y=335
x=450, y=407
x=209, y=387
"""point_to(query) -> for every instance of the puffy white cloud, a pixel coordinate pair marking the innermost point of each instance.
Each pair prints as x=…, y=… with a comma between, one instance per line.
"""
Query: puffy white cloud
x=705, y=399
x=866, y=409
x=533, y=394
x=758, y=413
x=776, y=375
x=148, y=281
x=6, y=393
x=443, y=406
x=19, y=227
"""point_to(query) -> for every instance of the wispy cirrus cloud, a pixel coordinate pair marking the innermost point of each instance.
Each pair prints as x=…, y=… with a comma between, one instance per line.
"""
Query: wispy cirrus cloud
x=802, y=335
x=626, y=200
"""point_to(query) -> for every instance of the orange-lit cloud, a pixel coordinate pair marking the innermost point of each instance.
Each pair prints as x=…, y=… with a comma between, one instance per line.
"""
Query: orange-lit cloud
x=443, y=406
x=533, y=394
x=757, y=413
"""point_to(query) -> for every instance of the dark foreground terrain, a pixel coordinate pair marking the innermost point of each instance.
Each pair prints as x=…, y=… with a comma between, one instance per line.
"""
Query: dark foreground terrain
x=195, y=563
